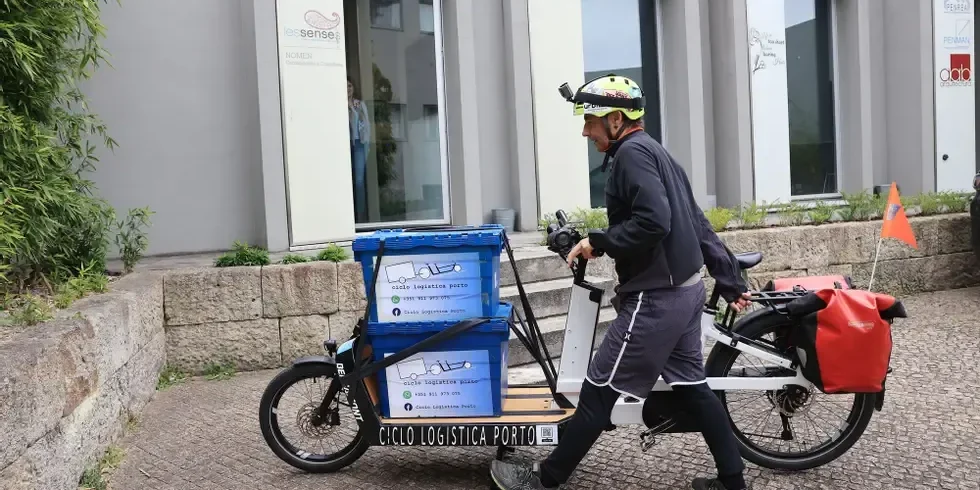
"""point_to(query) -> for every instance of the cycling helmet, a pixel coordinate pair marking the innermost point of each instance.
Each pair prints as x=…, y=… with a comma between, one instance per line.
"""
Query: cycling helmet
x=606, y=94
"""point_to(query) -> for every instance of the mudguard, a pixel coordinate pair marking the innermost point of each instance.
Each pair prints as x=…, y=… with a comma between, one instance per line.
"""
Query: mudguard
x=314, y=360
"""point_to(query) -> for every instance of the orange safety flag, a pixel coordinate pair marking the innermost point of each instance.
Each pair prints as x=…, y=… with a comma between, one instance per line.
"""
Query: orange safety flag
x=896, y=224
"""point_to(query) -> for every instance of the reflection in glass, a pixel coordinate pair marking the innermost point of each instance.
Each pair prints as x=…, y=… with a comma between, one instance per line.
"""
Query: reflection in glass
x=810, y=82
x=629, y=51
x=391, y=56
x=360, y=137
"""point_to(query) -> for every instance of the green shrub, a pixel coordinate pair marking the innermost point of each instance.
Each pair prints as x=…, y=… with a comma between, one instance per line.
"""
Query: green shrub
x=590, y=219
x=294, y=259
x=752, y=215
x=170, y=375
x=131, y=237
x=820, y=213
x=332, y=253
x=859, y=206
x=77, y=287
x=52, y=223
x=719, y=217
x=953, y=202
x=243, y=255
x=793, y=214
x=28, y=309
x=219, y=371
x=929, y=204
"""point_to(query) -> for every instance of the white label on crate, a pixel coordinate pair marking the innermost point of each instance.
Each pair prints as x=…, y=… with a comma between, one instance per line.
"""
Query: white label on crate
x=440, y=384
x=429, y=287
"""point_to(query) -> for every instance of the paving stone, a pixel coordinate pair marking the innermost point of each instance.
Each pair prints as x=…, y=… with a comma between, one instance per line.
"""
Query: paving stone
x=203, y=434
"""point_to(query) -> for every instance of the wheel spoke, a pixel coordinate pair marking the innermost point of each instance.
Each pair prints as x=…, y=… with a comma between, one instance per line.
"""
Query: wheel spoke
x=293, y=428
x=815, y=422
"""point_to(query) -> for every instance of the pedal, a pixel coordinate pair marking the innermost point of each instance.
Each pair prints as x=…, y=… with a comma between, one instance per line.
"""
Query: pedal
x=648, y=437
x=647, y=440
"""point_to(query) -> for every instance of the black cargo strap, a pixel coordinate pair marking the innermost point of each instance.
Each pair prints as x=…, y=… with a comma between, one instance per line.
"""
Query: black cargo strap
x=608, y=101
x=403, y=354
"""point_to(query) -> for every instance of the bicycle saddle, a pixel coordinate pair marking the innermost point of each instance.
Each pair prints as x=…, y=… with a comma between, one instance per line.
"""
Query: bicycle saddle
x=748, y=260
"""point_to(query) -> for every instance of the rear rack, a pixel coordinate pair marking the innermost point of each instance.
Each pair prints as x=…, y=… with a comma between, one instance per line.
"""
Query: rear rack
x=773, y=300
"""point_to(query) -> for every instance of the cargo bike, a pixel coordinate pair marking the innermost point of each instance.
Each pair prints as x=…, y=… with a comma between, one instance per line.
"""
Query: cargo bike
x=345, y=408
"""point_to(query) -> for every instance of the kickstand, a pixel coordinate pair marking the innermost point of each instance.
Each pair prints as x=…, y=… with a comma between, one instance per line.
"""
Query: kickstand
x=502, y=450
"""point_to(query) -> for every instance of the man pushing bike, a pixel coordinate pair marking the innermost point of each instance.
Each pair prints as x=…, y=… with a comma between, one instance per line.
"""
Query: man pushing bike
x=659, y=239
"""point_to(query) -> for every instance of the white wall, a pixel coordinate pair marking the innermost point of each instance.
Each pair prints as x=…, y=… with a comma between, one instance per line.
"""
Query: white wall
x=955, y=95
x=562, y=151
x=184, y=111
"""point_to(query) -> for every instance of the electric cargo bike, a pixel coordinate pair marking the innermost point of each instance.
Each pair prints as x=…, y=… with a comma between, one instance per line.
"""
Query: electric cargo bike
x=752, y=360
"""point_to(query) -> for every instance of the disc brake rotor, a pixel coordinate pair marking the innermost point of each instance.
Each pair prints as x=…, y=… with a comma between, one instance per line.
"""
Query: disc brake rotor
x=304, y=420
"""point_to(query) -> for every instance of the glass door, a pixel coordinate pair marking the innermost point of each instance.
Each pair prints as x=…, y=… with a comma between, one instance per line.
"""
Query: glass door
x=395, y=107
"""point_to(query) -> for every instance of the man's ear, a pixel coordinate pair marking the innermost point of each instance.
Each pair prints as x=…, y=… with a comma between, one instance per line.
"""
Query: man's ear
x=616, y=120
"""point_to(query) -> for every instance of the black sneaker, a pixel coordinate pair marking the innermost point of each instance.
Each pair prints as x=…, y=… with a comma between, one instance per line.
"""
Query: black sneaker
x=712, y=484
x=510, y=476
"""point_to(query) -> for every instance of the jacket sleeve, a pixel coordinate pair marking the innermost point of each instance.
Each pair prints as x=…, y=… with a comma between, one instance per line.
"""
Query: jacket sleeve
x=642, y=187
x=720, y=261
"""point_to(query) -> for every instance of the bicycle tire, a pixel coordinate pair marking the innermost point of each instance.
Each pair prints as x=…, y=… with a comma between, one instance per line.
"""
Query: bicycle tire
x=720, y=361
x=268, y=422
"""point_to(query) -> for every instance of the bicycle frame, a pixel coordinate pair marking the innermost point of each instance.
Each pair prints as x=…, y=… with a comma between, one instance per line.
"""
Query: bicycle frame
x=580, y=329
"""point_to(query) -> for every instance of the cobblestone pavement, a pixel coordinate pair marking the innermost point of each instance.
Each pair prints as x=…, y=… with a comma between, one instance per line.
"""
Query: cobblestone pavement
x=204, y=434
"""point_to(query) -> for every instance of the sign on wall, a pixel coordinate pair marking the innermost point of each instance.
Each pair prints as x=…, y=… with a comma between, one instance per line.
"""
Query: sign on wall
x=954, y=95
x=769, y=100
x=313, y=89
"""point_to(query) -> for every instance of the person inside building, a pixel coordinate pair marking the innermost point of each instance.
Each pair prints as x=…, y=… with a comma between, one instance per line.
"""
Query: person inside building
x=659, y=239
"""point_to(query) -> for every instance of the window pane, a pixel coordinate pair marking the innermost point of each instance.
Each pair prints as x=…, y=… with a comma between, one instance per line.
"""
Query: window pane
x=629, y=52
x=399, y=168
x=810, y=86
x=386, y=14
x=426, y=17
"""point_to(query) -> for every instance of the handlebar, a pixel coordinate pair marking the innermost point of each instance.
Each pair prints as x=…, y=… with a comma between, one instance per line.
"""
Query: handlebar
x=562, y=238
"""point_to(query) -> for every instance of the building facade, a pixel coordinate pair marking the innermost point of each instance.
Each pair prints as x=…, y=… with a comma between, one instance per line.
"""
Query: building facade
x=296, y=123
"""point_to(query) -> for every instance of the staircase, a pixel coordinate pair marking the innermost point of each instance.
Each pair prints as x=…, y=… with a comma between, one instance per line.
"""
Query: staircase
x=547, y=281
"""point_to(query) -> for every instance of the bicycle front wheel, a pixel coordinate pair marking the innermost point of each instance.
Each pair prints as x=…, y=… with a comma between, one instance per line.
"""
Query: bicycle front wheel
x=295, y=435
x=797, y=427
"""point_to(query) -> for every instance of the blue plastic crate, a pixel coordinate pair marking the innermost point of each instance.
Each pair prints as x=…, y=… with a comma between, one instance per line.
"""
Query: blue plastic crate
x=444, y=275
x=463, y=376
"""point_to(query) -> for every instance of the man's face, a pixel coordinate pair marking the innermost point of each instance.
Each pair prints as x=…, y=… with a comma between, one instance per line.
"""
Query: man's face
x=594, y=130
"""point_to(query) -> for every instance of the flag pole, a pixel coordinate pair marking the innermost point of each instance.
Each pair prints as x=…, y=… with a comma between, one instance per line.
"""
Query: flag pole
x=874, y=264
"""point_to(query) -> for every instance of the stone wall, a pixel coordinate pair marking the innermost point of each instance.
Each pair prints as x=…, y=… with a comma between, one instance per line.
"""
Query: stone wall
x=70, y=385
x=259, y=317
x=264, y=317
x=943, y=260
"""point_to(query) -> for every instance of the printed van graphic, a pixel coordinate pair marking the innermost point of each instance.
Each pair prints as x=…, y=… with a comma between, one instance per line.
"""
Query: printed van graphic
x=440, y=384
x=429, y=287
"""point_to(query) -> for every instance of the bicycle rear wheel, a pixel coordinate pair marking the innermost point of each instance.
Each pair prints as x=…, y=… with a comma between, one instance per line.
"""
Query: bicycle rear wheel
x=779, y=429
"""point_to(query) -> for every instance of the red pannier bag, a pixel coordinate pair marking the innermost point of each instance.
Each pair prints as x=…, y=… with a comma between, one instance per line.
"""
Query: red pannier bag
x=844, y=339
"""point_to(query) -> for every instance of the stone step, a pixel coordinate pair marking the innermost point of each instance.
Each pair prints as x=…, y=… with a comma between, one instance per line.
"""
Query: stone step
x=536, y=264
x=533, y=265
x=550, y=298
x=553, y=336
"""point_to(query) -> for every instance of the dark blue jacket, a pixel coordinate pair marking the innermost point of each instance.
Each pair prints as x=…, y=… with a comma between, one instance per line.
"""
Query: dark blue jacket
x=658, y=235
